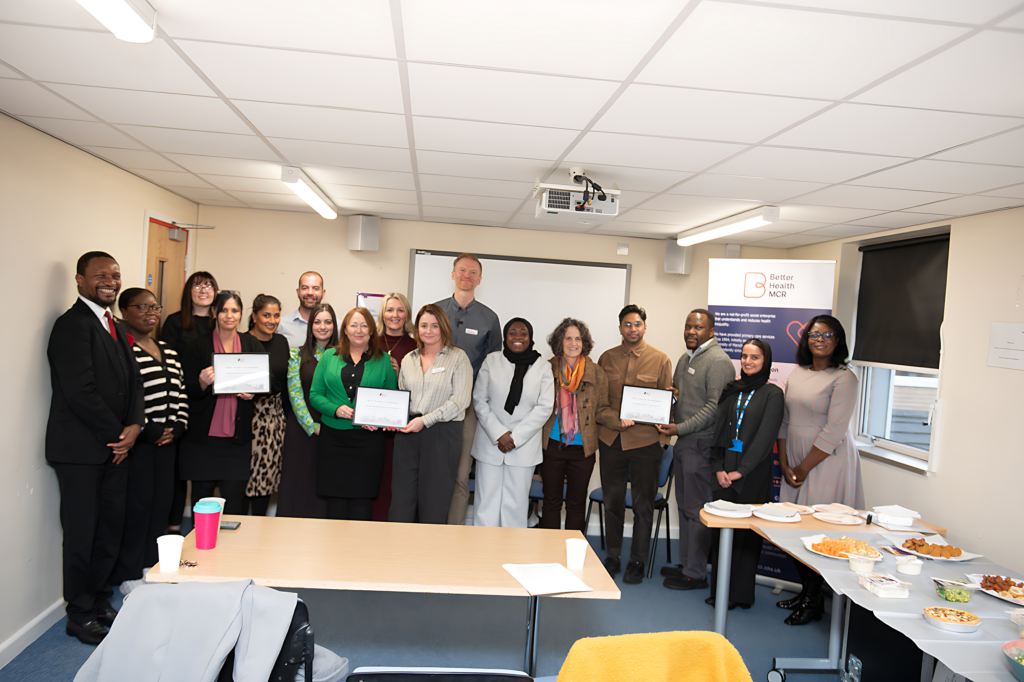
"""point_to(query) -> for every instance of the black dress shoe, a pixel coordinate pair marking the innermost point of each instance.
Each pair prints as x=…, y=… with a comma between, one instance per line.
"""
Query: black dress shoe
x=794, y=603
x=106, y=616
x=634, y=573
x=672, y=571
x=90, y=632
x=810, y=610
x=612, y=565
x=710, y=601
x=685, y=583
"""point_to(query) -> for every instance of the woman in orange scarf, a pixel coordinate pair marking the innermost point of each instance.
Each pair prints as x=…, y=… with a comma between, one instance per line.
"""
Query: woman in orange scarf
x=581, y=403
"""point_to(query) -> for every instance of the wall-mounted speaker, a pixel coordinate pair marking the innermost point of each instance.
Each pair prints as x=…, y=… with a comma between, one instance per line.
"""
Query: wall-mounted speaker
x=363, y=233
x=678, y=259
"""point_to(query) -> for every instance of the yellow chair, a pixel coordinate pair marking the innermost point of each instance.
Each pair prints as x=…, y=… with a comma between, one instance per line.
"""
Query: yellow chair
x=654, y=657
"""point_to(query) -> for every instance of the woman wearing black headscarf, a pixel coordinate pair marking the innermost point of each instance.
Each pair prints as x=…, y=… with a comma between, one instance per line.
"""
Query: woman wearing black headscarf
x=513, y=397
x=749, y=416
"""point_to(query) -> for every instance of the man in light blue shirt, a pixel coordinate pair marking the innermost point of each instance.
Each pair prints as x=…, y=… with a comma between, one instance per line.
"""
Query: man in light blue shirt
x=295, y=324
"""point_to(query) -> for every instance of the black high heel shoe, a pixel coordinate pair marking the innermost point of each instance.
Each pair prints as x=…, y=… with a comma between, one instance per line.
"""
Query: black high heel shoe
x=810, y=610
x=794, y=603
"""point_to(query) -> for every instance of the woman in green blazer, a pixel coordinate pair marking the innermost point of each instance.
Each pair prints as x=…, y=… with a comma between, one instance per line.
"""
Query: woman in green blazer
x=350, y=459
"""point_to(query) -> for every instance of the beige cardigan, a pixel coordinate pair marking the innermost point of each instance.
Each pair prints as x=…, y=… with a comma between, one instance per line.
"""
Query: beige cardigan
x=592, y=403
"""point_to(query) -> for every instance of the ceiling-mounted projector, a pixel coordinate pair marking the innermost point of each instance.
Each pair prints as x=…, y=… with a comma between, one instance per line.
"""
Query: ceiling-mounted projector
x=583, y=202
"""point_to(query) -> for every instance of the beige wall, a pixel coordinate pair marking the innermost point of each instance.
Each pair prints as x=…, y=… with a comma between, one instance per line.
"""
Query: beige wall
x=56, y=202
x=977, y=489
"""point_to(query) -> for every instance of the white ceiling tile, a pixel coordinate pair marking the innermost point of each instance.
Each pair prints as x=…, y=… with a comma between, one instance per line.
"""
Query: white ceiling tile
x=973, y=75
x=977, y=12
x=97, y=59
x=24, y=98
x=536, y=35
x=891, y=130
x=791, y=241
x=800, y=164
x=200, y=193
x=466, y=213
x=379, y=208
x=268, y=199
x=328, y=26
x=244, y=168
x=1011, y=191
x=469, y=165
x=630, y=198
x=748, y=237
x=898, y=219
x=8, y=73
x=823, y=214
x=475, y=222
x=505, y=97
x=263, y=185
x=944, y=176
x=741, y=187
x=83, y=133
x=650, y=152
x=155, y=108
x=723, y=116
x=974, y=204
x=50, y=13
x=345, y=155
x=303, y=208
x=1016, y=21
x=392, y=196
x=299, y=77
x=496, y=139
x=844, y=231
x=230, y=204
x=327, y=125
x=173, y=179
x=643, y=230
x=853, y=196
x=193, y=142
x=712, y=208
x=678, y=220
x=760, y=49
x=793, y=226
x=359, y=177
x=1007, y=149
x=638, y=179
x=475, y=186
x=134, y=159
x=434, y=199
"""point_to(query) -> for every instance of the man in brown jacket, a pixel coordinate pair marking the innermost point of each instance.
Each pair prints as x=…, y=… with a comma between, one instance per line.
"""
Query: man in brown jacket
x=631, y=450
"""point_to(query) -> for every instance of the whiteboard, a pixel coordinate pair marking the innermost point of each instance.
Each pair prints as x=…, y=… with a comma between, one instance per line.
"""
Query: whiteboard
x=541, y=291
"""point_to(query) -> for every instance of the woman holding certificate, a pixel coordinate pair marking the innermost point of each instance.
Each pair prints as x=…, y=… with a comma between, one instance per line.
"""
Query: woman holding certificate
x=350, y=458
x=439, y=378
x=513, y=396
x=216, y=450
x=746, y=425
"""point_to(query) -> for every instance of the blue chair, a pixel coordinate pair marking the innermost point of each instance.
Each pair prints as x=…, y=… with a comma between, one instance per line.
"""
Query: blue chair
x=660, y=504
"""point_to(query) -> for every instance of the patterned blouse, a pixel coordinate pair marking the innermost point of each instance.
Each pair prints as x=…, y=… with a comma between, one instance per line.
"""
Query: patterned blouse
x=164, y=388
x=295, y=394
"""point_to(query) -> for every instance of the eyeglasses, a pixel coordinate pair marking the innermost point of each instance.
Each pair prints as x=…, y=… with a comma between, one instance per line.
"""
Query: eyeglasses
x=814, y=336
x=202, y=287
x=145, y=307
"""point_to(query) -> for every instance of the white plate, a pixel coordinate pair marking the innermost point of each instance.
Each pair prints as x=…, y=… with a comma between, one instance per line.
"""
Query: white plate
x=839, y=520
x=834, y=508
x=811, y=539
x=898, y=540
x=798, y=508
x=976, y=578
x=778, y=519
x=726, y=514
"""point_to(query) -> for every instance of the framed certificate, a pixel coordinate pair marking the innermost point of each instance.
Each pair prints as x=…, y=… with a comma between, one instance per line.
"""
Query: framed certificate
x=241, y=373
x=646, y=405
x=381, y=407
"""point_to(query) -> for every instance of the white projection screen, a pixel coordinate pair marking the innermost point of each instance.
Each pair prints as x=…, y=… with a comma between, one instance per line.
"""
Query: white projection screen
x=541, y=291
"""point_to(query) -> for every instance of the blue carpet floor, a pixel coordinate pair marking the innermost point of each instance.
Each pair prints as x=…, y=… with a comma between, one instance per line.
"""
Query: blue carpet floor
x=373, y=628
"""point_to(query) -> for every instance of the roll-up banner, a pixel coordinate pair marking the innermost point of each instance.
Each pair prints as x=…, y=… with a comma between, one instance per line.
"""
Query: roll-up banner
x=771, y=300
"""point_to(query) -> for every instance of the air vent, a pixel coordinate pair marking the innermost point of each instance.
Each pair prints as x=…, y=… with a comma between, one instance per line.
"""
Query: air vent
x=559, y=199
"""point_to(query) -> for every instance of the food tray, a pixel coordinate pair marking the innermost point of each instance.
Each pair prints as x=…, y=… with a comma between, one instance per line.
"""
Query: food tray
x=977, y=577
x=971, y=626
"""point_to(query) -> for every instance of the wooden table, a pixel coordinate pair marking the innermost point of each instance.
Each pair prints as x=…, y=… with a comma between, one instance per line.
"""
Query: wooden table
x=387, y=557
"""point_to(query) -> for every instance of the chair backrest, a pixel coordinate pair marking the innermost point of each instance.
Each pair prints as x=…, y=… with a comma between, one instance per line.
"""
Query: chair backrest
x=666, y=466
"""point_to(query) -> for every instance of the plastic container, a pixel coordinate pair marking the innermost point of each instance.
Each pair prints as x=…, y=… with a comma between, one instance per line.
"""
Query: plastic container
x=884, y=586
x=221, y=501
x=971, y=625
x=862, y=564
x=206, y=514
x=1016, y=666
x=952, y=593
x=909, y=565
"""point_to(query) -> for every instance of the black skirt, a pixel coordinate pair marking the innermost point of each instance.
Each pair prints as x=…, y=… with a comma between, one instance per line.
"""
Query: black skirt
x=296, y=496
x=214, y=459
x=349, y=462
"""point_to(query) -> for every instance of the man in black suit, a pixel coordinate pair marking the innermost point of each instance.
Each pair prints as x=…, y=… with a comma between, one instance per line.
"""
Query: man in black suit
x=96, y=413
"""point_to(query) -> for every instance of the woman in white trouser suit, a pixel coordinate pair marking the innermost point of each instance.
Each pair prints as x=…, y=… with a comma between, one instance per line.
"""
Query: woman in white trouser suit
x=513, y=397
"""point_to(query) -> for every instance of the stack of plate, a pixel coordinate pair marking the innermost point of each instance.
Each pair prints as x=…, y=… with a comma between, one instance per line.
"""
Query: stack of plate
x=729, y=509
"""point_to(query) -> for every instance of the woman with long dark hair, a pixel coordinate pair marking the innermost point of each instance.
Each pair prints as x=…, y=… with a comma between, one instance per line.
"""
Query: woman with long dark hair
x=819, y=459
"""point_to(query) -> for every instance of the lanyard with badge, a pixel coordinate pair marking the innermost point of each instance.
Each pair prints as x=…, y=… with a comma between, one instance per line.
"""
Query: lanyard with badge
x=737, y=444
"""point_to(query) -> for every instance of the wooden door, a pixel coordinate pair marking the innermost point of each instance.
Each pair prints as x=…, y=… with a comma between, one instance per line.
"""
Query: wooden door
x=165, y=268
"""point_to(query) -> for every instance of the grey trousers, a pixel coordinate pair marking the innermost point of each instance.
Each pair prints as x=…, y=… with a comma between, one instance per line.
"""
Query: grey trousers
x=424, y=473
x=460, y=494
x=641, y=466
x=693, y=491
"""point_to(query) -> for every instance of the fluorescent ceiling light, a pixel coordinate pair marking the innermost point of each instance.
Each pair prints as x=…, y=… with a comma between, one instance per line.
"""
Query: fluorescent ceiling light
x=741, y=222
x=132, y=21
x=298, y=182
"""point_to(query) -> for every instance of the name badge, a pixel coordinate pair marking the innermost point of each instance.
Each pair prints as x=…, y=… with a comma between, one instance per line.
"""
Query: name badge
x=436, y=370
x=737, y=445
x=690, y=370
x=471, y=331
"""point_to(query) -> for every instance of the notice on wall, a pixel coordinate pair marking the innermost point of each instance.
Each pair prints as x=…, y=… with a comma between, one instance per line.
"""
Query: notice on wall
x=1006, y=345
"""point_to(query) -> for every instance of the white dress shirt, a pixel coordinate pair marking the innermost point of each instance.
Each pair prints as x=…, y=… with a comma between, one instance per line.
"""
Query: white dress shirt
x=100, y=313
x=293, y=328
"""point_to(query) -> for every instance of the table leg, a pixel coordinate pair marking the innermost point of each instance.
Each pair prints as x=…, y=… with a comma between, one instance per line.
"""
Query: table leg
x=835, y=637
x=532, y=620
x=724, y=570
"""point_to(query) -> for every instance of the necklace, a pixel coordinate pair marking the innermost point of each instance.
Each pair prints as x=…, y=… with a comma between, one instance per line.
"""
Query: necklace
x=389, y=347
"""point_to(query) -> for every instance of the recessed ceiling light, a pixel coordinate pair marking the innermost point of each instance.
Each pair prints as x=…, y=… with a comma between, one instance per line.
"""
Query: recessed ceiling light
x=741, y=222
x=132, y=21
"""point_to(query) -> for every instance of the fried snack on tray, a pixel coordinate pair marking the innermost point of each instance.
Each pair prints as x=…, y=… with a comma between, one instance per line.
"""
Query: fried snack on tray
x=922, y=546
x=843, y=547
x=1003, y=586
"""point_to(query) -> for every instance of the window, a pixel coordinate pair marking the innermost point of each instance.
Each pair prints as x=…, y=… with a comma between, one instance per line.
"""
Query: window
x=898, y=346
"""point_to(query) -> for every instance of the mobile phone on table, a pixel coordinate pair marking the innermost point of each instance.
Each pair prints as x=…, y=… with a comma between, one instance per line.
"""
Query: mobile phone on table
x=230, y=525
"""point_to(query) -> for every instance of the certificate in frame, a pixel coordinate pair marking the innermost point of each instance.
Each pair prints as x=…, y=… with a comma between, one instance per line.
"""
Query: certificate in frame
x=241, y=373
x=381, y=407
x=645, y=405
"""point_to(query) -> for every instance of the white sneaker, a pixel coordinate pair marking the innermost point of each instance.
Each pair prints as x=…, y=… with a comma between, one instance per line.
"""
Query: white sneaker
x=128, y=585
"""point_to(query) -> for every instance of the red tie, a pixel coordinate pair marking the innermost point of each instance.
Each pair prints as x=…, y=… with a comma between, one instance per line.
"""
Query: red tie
x=110, y=325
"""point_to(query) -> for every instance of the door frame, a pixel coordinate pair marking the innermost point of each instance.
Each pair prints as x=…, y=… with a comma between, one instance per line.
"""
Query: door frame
x=190, y=251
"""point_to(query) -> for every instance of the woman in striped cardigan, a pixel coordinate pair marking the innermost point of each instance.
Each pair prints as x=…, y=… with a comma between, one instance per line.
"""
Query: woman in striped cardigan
x=151, y=462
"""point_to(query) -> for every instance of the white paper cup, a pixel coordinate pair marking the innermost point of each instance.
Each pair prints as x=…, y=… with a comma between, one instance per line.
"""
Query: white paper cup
x=220, y=501
x=575, y=553
x=169, y=549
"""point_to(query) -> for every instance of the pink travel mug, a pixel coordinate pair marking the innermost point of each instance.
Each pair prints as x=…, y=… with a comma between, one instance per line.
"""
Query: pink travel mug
x=206, y=514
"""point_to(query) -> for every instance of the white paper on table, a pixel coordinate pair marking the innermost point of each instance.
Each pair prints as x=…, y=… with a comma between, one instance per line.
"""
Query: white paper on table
x=541, y=579
x=1006, y=345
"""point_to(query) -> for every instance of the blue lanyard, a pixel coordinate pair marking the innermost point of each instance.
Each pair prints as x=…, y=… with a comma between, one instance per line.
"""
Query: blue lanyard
x=740, y=412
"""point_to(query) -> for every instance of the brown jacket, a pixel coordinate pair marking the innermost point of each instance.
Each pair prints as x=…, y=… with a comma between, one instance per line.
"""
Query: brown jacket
x=642, y=366
x=592, y=403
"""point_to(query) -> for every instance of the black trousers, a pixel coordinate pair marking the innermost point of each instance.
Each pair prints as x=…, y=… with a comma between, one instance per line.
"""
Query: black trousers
x=92, y=512
x=642, y=466
x=150, y=488
x=571, y=466
x=233, y=492
x=350, y=508
x=425, y=466
x=810, y=579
